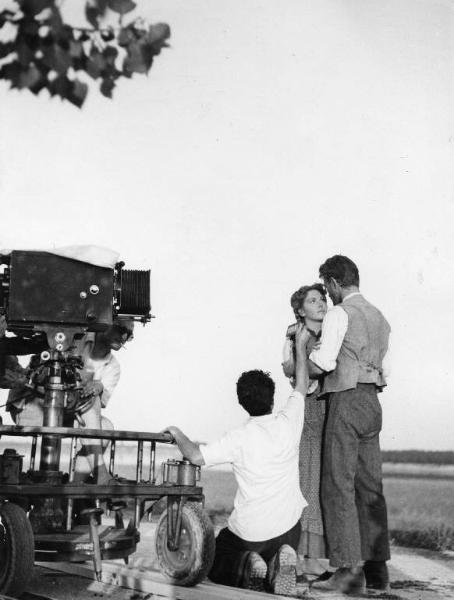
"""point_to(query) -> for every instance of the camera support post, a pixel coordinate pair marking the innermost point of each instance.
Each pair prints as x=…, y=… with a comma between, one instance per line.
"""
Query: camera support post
x=60, y=377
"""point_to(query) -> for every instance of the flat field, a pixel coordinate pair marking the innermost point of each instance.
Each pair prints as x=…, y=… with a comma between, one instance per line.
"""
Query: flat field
x=420, y=503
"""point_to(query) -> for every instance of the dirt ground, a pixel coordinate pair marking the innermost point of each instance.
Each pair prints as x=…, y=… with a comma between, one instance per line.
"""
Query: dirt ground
x=415, y=575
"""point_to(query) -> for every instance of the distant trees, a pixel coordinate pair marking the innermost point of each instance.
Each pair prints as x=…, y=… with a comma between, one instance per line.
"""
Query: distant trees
x=38, y=50
x=426, y=457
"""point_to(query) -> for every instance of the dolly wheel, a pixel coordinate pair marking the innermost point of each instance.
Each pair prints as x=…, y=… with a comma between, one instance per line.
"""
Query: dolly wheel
x=192, y=561
x=17, y=551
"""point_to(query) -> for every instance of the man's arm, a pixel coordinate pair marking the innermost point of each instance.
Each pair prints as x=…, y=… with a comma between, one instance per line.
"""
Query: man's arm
x=314, y=370
x=301, y=374
x=323, y=359
x=189, y=450
x=386, y=363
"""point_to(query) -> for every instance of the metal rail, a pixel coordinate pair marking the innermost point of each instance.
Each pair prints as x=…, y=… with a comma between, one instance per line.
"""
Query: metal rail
x=123, y=490
x=69, y=432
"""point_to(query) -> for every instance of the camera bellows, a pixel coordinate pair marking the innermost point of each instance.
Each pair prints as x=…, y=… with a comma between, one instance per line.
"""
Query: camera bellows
x=134, y=293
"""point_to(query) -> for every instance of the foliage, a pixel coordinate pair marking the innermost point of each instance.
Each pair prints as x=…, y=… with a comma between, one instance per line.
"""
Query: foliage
x=47, y=53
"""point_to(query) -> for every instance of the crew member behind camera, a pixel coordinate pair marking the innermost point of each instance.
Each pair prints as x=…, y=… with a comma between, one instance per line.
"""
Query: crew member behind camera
x=258, y=547
x=12, y=374
x=100, y=375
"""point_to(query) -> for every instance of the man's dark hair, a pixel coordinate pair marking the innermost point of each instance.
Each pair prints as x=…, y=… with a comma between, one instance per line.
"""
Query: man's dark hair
x=340, y=268
x=255, y=390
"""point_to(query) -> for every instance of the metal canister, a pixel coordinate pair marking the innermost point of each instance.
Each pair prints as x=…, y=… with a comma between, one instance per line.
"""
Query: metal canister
x=180, y=472
x=10, y=466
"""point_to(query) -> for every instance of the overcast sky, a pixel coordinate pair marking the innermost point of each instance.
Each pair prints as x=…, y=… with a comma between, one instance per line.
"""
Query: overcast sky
x=270, y=136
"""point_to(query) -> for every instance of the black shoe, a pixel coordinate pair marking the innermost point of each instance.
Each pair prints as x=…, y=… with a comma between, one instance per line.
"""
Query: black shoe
x=323, y=576
x=344, y=580
x=377, y=576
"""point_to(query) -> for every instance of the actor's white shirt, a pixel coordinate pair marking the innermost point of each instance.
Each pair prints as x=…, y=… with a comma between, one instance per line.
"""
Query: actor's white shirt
x=334, y=329
x=107, y=371
x=264, y=455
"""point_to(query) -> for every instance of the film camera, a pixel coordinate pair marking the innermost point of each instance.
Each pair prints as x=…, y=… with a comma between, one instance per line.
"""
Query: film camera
x=42, y=292
x=49, y=302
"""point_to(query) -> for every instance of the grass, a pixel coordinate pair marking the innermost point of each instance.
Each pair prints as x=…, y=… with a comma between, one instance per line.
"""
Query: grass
x=420, y=508
x=421, y=512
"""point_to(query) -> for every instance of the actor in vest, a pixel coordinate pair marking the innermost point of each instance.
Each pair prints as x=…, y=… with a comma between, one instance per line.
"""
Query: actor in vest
x=353, y=346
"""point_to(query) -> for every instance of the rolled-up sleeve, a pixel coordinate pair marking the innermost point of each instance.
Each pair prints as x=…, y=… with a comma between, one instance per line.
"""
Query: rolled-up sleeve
x=223, y=450
x=334, y=328
x=293, y=412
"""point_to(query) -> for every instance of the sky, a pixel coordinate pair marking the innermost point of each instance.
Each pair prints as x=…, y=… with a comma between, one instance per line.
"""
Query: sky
x=269, y=137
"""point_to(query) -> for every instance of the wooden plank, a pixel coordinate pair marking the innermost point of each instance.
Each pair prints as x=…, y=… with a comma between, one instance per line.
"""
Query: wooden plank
x=151, y=582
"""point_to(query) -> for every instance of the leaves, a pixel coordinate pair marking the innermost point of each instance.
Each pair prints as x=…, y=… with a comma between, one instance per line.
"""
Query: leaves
x=24, y=52
x=94, y=9
x=60, y=86
x=121, y=6
x=142, y=46
x=78, y=93
x=76, y=49
x=95, y=63
x=6, y=49
x=48, y=53
x=126, y=36
x=107, y=87
x=135, y=61
x=61, y=59
x=35, y=7
x=29, y=77
x=158, y=34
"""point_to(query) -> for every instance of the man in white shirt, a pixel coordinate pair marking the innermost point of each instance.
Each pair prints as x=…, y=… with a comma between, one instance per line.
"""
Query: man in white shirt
x=258, y=546
x=354, y=342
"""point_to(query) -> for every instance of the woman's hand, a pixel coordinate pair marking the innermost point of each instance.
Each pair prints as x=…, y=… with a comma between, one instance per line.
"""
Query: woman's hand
x=302, y=336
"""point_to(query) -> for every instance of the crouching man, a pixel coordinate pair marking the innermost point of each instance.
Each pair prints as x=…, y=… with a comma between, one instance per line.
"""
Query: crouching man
x=257, y=549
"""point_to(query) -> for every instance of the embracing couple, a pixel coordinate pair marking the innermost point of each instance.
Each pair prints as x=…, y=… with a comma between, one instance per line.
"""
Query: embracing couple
x=340, y=462
x=318, y=456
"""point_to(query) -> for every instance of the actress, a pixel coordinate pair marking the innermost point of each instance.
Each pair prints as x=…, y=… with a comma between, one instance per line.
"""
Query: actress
x=309, y=306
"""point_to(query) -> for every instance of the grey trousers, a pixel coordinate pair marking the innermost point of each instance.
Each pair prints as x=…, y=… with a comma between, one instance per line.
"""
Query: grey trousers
x=352, y=498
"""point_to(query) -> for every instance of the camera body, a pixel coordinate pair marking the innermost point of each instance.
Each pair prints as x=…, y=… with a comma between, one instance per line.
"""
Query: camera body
x=41, y=291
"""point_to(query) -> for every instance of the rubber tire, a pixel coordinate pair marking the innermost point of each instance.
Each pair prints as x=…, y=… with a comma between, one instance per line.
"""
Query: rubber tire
x=200, y=535
x=17, y=550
